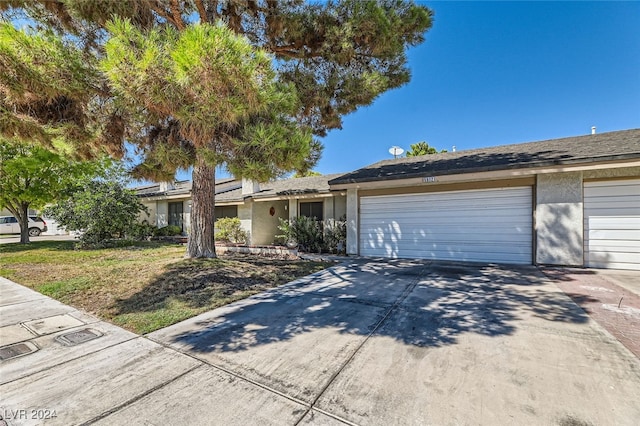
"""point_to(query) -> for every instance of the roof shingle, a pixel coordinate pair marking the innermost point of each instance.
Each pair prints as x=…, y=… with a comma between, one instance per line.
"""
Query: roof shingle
x=619, y=145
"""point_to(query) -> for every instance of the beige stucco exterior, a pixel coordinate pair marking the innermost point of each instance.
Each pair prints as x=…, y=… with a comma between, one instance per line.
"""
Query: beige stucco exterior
x=264, y=226
x=559, y=222
x=254, y=215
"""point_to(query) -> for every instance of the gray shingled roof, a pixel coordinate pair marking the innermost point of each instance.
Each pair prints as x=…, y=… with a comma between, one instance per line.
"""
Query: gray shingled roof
x=285, y=187
x=620, y=145
x=180, y=187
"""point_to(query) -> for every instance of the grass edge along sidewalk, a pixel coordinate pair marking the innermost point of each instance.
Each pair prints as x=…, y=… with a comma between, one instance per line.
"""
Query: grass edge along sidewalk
x=146, y=286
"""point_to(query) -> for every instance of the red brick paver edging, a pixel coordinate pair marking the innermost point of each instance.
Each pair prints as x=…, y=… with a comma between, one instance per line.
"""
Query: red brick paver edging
x=610, y=305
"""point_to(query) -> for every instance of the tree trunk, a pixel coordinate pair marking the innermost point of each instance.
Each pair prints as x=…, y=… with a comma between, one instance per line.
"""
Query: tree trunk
x=22, y=214
x=201, y=237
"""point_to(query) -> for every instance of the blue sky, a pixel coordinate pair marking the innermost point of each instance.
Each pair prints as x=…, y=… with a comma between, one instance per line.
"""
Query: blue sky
x=495, y=73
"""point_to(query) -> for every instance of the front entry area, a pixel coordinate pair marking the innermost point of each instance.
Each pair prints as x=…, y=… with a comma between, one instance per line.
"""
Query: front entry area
x=485, y=225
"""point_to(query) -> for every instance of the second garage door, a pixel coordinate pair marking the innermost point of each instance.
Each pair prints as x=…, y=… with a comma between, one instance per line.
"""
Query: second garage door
x=488, y=225
x=612, y=224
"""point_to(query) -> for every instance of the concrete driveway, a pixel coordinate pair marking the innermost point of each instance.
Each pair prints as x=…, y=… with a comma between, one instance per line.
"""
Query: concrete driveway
x=368, y=342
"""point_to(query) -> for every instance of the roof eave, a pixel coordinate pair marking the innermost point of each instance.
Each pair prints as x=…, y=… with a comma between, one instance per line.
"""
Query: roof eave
x=533, y=165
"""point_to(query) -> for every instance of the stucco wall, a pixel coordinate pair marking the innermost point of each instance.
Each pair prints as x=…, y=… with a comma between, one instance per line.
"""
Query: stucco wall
x=151, y=218
x=293, y=209
x=244, y=214
x=559, y=222
x=352, y=221
x=265, y=227
x=327, y=208
x=339, y=206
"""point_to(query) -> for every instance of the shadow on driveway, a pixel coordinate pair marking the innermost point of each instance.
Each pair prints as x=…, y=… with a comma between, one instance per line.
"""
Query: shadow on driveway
x=437, y=301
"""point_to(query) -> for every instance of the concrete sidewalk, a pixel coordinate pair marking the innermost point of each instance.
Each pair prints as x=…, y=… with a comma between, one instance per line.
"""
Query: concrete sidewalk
x=65, y=384
x=366, y=342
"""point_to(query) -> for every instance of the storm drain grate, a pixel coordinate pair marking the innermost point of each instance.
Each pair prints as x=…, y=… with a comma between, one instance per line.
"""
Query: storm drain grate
x=16, y=350
x=79, y=336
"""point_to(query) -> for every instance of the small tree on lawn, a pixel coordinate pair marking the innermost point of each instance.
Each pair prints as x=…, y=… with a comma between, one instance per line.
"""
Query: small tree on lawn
x=102, y=210
x=31, y=177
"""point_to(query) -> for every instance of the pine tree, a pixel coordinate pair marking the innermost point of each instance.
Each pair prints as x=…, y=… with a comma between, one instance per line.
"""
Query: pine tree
x=325, y=61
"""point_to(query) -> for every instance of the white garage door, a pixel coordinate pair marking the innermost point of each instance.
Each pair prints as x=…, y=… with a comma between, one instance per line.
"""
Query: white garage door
x=612, y=224
x=488, y=225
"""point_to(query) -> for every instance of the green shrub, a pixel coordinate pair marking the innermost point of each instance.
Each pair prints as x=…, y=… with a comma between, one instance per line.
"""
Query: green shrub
x=100, y=211
x=335, y=235
x=312, y=235
x=140, y=231
x=168, y=231
x=305, y=231
x=229, y=229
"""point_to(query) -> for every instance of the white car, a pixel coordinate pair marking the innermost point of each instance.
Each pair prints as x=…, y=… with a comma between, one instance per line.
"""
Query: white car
x=10, y=225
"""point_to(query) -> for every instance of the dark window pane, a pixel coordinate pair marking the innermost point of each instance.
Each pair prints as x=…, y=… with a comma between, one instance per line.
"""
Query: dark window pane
x=175, y=214
x=226, y=211
x=313, y=209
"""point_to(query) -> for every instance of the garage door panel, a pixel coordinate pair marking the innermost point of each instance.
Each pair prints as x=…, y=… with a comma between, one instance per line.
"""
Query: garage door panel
x=447, y=204
x=614, y=234
x=512, y=256
x=443, y=211
x=442, y=226
x=428, y=238
x=613, y=245
x=607, y=264
x=612, y=224
x=626, y=205
x=613, y=256
x=482, y=225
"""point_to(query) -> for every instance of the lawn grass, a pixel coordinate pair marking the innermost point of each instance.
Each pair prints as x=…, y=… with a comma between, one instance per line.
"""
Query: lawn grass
x=146, y=286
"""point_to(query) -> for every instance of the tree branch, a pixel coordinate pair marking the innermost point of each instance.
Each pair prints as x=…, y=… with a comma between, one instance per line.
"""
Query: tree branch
x=163, y=13
x=177, y=16
x=201, y=11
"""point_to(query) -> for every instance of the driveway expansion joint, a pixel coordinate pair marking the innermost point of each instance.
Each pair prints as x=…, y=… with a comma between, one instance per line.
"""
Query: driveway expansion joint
x=139, y=397
x=379, y=324
x=230, y=372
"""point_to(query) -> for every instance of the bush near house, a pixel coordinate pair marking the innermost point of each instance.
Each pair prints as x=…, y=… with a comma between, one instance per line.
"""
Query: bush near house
x=229, y=229
x=167, y=231
x=335, y=235
x=141, y=231
x=313, y=235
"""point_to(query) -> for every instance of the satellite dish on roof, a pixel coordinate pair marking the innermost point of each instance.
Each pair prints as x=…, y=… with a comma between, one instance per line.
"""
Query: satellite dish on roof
x=395, y=151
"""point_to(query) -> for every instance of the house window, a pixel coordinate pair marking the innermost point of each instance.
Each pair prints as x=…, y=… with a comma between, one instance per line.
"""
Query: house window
x=175, y=214
x=225, y=211
x=313, y=209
